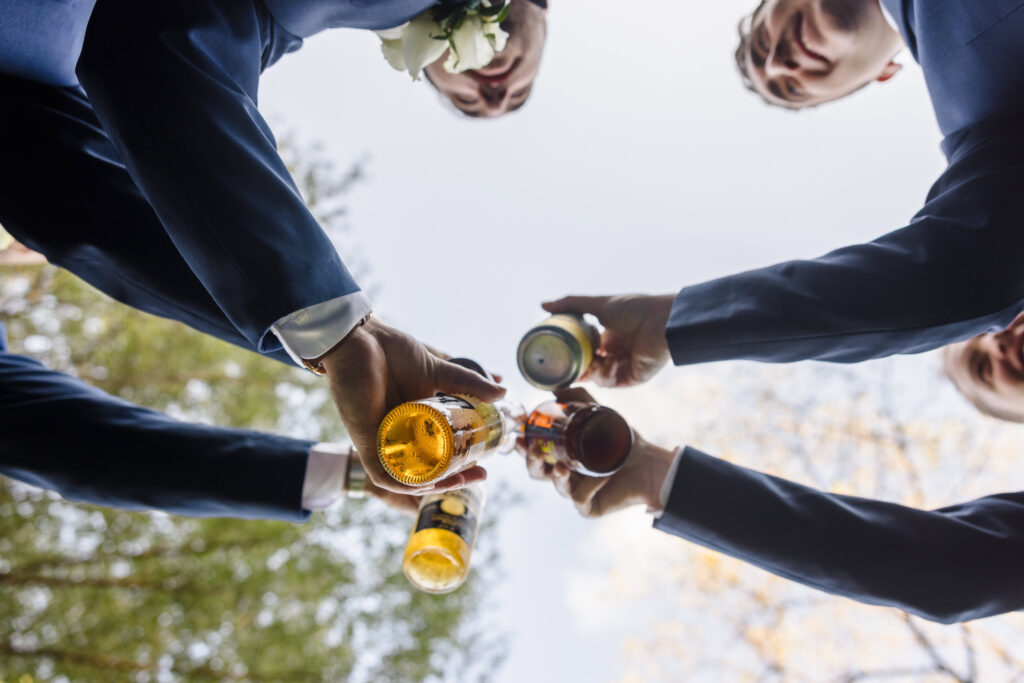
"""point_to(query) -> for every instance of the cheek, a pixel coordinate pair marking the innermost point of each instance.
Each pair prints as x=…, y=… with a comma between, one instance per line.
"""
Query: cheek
x=1009, y=386
x=779, y=13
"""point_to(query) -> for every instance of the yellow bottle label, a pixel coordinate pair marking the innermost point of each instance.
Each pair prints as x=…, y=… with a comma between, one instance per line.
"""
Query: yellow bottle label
x=437, y=556
x=454, y=511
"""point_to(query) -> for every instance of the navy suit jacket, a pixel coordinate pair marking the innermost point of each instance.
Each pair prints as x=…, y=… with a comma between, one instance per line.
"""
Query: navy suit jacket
x=955, y=271
x=61, y=434
x=162, y=187
x=160, y=183
x=954, y=564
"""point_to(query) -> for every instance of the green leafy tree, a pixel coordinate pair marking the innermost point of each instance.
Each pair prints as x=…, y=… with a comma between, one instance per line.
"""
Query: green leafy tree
x=94, y=594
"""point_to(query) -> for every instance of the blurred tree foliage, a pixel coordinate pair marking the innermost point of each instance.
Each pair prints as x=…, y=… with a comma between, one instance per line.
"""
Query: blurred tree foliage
x=708, y=617
x=91, y=594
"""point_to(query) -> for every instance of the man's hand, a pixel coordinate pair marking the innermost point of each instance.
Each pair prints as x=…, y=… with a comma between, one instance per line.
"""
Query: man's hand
x=633, y=346
x=375, y=368
x=638, y=482
x=17, y=254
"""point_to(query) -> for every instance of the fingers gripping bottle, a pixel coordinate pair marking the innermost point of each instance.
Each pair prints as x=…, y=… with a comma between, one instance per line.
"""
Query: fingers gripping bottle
x=437, y=555
x=420, y=442
x=557, y=352
x=590, y=439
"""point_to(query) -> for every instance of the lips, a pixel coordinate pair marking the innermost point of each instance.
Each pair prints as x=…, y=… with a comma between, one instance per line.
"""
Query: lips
x=489, y=80
x=494, y=75
x=798, y=38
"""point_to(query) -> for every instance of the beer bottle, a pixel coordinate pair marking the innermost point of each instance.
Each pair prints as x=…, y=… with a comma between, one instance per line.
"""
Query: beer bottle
x=590, y=439
x=420, y=442
x=555, y=353
x=437, y=555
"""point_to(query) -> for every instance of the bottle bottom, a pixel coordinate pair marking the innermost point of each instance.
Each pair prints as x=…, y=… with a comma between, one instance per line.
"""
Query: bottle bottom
x=436, y=560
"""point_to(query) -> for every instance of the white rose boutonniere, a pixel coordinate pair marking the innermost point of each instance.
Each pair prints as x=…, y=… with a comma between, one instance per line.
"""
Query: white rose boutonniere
x=469, y=29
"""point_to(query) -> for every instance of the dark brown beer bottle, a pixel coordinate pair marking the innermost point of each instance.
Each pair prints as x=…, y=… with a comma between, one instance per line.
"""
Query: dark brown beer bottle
x=590, y=439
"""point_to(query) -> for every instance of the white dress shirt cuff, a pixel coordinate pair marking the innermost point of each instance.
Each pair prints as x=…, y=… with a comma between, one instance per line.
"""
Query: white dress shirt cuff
x=666, y=486
x=311, y=332
x=326, y=470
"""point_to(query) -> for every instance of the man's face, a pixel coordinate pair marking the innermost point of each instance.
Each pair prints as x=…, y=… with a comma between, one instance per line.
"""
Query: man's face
x=800, y=53
x=989, y=369
x=505, y=84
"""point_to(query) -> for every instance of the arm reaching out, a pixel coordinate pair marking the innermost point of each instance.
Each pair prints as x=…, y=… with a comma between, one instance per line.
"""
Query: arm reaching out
x=375, y=368
x=953, y=564
x=952, y=273
x=633, y=346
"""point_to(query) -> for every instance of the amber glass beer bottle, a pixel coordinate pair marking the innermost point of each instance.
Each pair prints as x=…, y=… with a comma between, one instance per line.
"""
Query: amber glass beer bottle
x=437, y=555
x=590, y=439
x=555, y=353
x=420, y=442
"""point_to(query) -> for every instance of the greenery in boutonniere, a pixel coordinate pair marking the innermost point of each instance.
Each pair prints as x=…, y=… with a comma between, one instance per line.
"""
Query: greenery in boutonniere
x=469, y=29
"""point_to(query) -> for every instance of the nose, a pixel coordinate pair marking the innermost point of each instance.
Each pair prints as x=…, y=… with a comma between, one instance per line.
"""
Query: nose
x=780, y=61
x=1007, y=344
x=495, y=96
x=996, y=347
x=1001, y=340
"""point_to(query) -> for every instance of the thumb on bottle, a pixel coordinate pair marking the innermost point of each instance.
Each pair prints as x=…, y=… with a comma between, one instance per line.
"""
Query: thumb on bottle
x=454, y=379
x=576, y=304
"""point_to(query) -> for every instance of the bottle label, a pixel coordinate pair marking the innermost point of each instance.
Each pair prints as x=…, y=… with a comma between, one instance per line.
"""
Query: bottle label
x=449, y=401
x=454, y=511
x=545, y=433
x=582, y=331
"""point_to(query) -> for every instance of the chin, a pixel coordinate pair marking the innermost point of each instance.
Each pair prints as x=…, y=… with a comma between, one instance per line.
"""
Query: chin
x=845, y=15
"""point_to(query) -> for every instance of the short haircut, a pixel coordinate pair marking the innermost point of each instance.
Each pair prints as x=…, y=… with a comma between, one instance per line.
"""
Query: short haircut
x=741, y=50
x=744, y=30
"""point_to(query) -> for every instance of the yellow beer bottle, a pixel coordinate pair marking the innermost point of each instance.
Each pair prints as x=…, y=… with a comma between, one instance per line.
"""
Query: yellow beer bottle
x=420, y=442
x=437, y=555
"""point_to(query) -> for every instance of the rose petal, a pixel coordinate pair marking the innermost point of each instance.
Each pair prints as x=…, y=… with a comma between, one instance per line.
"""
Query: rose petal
x=392, y=33
x=392, y=50
x=500, y=37
x=471, y=49
x=419, y=47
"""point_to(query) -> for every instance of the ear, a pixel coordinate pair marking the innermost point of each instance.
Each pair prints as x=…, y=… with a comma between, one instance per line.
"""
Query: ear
x=890, y=70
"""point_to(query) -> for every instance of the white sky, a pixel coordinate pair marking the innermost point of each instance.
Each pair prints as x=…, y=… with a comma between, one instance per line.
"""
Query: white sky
x=640, y=164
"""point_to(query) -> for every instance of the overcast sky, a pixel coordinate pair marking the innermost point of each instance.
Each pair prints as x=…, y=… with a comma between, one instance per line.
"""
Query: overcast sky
x=639, y=165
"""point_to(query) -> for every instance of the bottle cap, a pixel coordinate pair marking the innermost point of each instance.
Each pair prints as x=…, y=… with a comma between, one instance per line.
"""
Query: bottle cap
x=555, y=353
x=547, y=359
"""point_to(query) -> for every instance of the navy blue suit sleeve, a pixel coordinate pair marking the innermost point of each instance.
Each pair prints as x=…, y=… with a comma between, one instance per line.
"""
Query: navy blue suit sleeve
x=954, y=564
x=174, y=85
x=61, y=434
x=952, y=273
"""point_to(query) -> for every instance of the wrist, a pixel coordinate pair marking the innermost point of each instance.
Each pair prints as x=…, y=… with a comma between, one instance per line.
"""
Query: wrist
x=322, y=364
x=658, y=462
x=309, y=332
x=657, y=316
